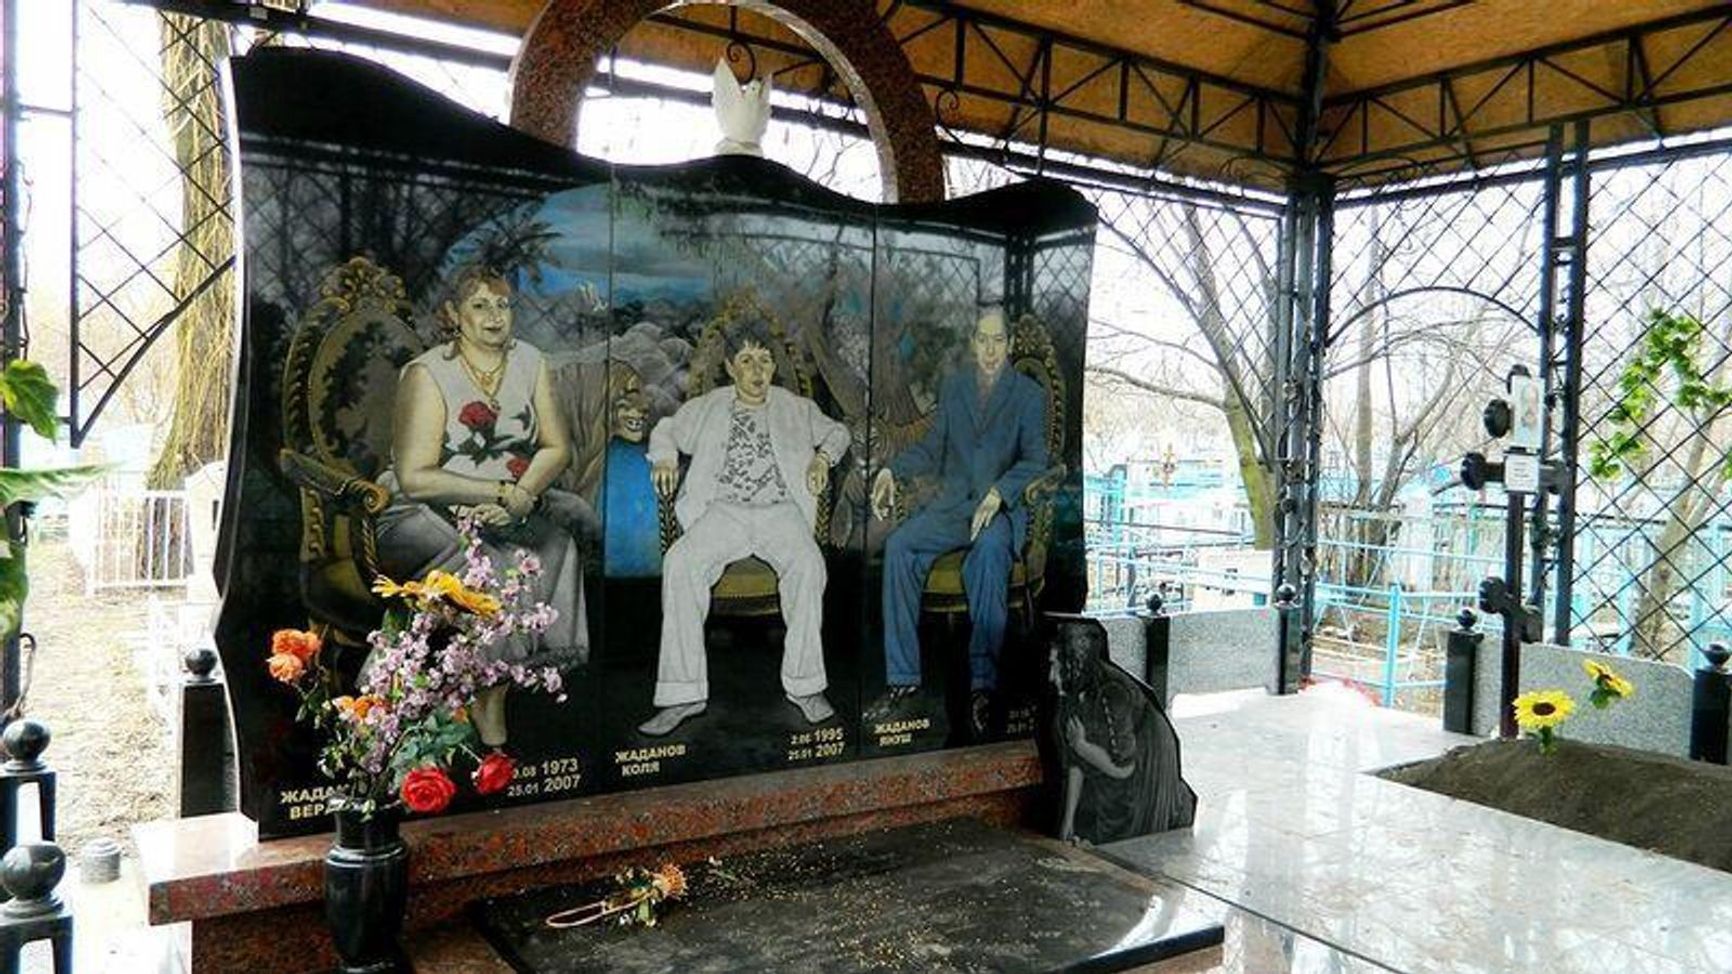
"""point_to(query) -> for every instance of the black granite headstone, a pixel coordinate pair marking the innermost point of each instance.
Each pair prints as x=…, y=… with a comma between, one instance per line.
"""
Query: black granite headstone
x=371, y=203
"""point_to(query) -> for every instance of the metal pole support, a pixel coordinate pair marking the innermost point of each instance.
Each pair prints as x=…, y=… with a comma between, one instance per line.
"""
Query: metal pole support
x=1461, y=659
x=1711, y=706
x=205, y=784
x=1289, y=640
x=1157, y=649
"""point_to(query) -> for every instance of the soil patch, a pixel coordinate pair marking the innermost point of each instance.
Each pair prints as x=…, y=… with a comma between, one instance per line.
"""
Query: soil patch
x=1650, y=801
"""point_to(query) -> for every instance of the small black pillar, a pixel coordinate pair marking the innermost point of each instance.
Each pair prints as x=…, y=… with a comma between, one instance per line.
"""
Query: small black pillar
x=25, y=740
x=1711, y=706
x=1157, y=648
x=206, y=780
x=30, y=873
x=1460, y=662
x=1289, y=640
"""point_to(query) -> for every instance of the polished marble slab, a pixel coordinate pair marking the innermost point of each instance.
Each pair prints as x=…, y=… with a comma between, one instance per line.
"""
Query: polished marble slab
x=1291, y=828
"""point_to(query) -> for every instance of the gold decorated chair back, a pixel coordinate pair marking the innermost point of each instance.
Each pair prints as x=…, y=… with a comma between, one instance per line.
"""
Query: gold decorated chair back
x=1032, y=354
x=338, y=399
x=340, y=381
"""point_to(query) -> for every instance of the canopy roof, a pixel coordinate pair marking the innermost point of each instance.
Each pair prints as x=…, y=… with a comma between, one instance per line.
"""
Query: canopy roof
x=1217, y=88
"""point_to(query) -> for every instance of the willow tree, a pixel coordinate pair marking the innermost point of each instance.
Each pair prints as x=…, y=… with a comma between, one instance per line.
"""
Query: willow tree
x=192, y=48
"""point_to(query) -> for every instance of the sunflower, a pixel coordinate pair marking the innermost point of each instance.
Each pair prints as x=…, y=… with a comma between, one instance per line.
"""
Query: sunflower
x=1608, y=685
x=1542, y=710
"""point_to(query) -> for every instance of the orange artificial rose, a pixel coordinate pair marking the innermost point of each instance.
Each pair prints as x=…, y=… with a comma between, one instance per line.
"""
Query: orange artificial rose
x=428, y=790
x=286, y=668
x=298, y=643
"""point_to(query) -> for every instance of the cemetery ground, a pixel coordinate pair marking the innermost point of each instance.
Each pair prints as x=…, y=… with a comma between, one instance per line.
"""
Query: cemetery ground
x=111, y=749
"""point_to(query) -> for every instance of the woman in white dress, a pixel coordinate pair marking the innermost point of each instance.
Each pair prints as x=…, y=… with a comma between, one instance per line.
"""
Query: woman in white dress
x=477, y=430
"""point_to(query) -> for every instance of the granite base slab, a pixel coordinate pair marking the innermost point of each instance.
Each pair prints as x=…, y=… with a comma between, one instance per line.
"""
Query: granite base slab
x=956, y=896
x=255, y=906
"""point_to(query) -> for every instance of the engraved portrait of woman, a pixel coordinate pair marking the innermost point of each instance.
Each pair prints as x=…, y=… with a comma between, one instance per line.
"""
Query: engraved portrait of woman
x=476, y=432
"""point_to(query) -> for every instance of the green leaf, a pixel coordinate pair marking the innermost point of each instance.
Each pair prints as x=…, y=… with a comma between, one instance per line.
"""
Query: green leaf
x=14, y=589
x=27, y=393
x=34, y=485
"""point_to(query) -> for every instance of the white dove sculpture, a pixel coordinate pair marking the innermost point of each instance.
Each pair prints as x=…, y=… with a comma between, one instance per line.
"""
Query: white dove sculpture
x=742, y=113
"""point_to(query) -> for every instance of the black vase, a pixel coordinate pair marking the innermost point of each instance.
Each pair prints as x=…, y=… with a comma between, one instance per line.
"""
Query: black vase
x=366, y=891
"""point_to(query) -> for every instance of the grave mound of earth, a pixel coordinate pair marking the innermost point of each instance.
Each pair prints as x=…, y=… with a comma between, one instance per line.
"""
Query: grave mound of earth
x=1651, y=801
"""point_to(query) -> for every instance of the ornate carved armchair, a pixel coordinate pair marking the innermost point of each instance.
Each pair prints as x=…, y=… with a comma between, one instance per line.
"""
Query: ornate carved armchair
x=339, y=391
x=747, y=587
x=1032, y=354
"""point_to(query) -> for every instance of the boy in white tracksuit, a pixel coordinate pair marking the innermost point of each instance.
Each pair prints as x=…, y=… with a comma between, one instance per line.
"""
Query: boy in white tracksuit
x=761, y=455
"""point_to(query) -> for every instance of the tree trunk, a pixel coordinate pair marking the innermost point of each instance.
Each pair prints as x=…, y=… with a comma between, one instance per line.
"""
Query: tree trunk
x=1259, y=480
x=203, y=335
x=1654, y=632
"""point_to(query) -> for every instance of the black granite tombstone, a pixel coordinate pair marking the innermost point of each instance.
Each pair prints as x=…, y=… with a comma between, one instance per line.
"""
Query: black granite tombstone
x=1113, y=751
x=374, y=209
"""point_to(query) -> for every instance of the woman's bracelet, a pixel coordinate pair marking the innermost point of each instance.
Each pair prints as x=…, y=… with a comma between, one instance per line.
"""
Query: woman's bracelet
x=499, y=491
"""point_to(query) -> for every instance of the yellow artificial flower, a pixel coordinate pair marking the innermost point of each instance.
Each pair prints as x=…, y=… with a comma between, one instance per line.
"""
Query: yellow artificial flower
x=1542, y=710
x=1607, y=679
x=385, y=588
x=446, y=586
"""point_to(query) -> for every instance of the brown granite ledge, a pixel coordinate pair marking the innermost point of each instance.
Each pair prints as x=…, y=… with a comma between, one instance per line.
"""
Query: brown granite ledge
x=215, y=866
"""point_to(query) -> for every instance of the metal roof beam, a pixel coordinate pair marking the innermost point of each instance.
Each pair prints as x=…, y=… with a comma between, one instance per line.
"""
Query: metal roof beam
x=1639, y=87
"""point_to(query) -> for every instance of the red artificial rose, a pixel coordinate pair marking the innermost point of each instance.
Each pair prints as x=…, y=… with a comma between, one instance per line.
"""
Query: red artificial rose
x=495, y=772
x=477, y=415
x=515, y=467
x=428, y=790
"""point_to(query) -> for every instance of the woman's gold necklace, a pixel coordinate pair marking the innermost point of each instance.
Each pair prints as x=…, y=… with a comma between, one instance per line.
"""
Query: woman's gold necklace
x=486, y=380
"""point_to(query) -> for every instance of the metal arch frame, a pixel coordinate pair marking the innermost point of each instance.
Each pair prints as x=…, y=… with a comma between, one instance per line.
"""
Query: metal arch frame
x=1394, y=296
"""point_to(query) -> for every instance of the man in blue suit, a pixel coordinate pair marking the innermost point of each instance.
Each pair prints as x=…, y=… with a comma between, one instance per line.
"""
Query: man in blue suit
x=986, y=443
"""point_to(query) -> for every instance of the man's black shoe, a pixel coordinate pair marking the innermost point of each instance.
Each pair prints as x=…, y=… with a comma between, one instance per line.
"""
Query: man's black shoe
x=890, y=703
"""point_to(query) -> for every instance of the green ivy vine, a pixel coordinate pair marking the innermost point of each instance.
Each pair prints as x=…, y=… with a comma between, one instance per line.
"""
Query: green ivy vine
x=1670, y=346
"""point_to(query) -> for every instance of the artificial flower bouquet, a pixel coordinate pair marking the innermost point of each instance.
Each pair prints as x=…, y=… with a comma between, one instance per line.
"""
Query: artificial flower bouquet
x=397, y=737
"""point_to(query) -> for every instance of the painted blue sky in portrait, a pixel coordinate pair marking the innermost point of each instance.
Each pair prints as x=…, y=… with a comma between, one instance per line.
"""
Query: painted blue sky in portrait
x=643, y=267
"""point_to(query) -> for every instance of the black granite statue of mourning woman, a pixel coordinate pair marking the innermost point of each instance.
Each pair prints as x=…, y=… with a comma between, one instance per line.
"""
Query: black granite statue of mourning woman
x=1116, y=748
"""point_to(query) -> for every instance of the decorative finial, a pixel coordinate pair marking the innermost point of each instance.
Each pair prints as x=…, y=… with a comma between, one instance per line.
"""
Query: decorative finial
x=25, y=740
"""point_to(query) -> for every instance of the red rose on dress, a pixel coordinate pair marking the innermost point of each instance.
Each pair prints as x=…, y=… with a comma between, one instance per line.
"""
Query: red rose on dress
x=515, y=467
x=477, y=415
x=495, y=772
x=428, y=790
